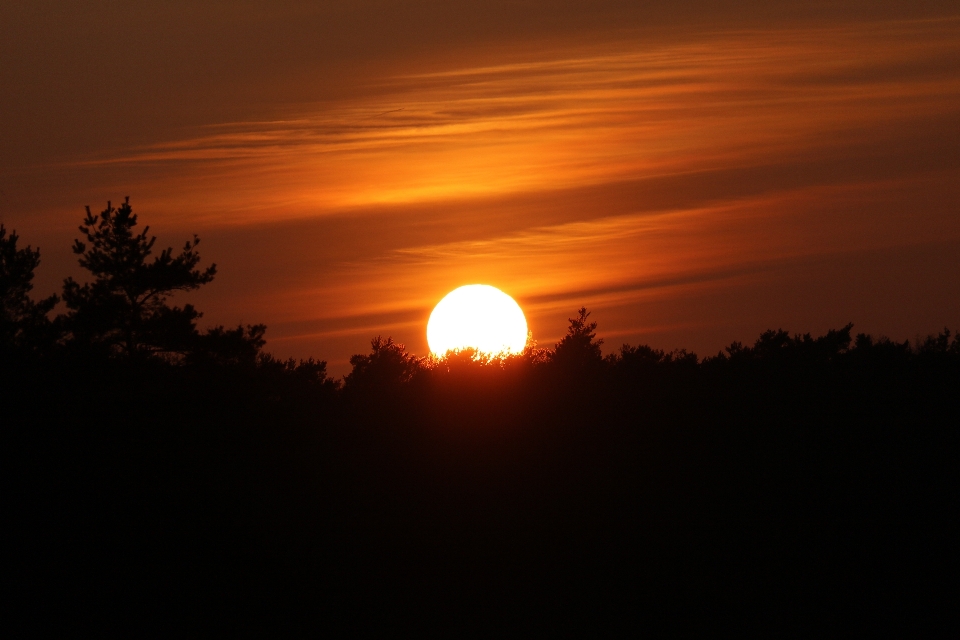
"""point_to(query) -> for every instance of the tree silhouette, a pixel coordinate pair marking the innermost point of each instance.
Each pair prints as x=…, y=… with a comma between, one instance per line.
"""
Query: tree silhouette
x=580, y=348
x=939, y=344
x=125, y=307
x=466, y=359
x=644, y=360
x=22, y=321
x=386, y=366
x=229, y=347
x=778, y=346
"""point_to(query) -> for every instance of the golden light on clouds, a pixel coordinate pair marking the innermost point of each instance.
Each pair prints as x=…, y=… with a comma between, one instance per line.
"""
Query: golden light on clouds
x=730, y=99
x=614, y=173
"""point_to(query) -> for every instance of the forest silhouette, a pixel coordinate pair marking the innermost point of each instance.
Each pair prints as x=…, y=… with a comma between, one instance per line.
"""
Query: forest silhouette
x=160, y=476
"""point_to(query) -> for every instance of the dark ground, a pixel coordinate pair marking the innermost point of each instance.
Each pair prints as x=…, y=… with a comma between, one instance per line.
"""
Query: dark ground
x=788, y=494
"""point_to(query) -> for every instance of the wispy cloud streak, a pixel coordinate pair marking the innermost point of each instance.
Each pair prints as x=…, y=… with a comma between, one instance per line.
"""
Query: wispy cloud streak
x=626, y=112
x=630, y=171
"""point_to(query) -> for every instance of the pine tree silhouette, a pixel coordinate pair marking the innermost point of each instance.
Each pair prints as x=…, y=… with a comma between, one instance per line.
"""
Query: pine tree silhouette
x=23, y=322
x=125, y=307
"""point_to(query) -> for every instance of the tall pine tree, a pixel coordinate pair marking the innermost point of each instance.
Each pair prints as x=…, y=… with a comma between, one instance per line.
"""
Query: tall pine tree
x=124, y=309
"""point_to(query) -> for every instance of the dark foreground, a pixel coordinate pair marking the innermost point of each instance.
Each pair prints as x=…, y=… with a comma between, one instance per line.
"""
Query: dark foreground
x=788, y=490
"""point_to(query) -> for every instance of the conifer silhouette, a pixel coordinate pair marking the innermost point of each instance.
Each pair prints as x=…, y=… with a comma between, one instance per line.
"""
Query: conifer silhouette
x=580, y=348
x=22, y=321
x=125, y=307
x=387, y=366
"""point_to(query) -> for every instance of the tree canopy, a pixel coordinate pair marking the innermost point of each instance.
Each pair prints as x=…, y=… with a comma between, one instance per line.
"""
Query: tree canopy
x=125, y=306
x=580, y=348
x=387, y=365
x=21, y=318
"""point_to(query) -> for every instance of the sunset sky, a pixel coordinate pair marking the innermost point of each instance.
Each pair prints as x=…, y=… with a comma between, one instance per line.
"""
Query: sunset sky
x=694, y=173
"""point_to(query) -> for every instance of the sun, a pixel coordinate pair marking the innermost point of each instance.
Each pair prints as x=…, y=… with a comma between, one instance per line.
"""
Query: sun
x=480, y=317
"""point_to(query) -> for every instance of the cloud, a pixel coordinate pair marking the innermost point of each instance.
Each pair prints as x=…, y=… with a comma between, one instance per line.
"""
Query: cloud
x=731, y=99
x=617, y=169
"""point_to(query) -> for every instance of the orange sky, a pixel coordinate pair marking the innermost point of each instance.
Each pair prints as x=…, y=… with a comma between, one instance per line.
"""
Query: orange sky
x=692, y=181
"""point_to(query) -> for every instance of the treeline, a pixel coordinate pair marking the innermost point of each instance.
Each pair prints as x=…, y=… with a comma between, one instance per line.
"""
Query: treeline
x=123, y=315
x=166, y=478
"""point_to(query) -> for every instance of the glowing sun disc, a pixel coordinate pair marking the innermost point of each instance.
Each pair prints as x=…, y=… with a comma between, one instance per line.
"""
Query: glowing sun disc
x=477, y=316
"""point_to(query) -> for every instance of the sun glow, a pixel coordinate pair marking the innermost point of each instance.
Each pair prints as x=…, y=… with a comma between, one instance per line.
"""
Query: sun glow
x=480, y=317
